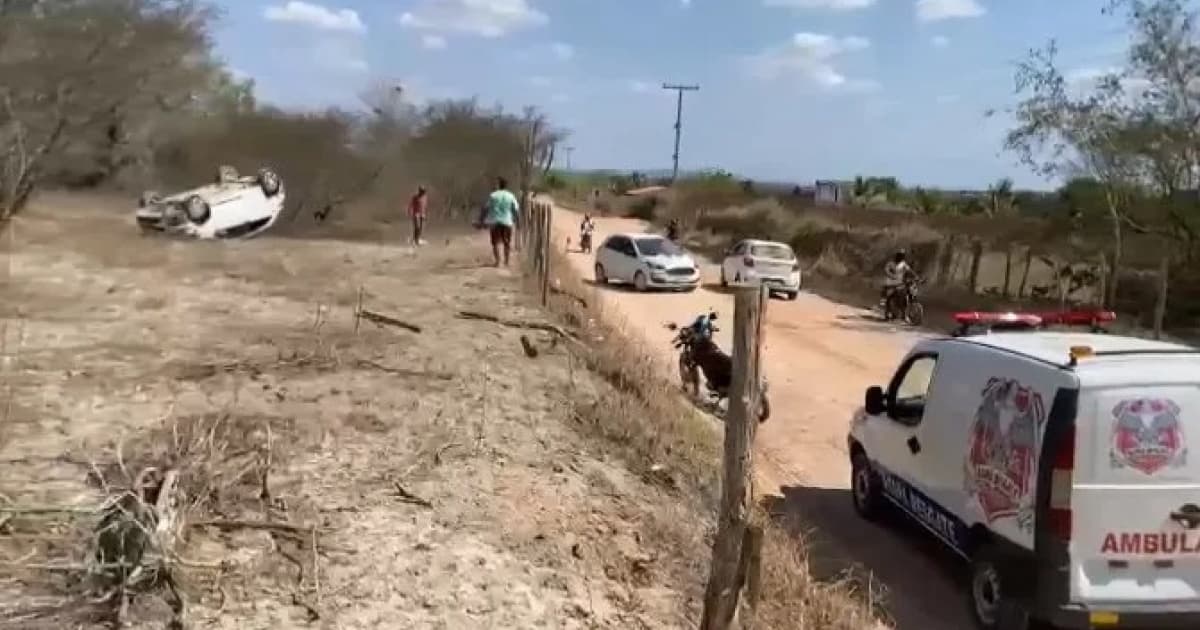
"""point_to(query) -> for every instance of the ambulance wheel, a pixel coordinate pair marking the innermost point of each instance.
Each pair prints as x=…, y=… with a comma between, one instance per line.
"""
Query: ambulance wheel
x=864, y=486
x=990, y=606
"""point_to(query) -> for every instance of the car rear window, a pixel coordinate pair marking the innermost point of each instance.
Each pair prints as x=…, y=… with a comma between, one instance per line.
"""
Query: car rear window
x=777, y=252
x=656, y=247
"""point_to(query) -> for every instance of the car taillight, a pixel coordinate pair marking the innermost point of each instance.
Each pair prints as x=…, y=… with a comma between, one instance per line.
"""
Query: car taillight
x=1061, y=480
x=748, y=261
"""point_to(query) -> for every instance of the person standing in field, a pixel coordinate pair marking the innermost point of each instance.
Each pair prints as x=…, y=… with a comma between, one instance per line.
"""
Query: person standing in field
x=416, y=211
x=500, y=216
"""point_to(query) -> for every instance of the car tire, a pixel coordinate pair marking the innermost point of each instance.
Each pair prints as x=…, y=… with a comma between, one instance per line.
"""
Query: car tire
x=865, y=487
x=197, y=209
x=639, y=282
x=149, y=198
x=601, y=276
x=985, y=596
x=269, y=181
x=792, y=295
x=724, y=282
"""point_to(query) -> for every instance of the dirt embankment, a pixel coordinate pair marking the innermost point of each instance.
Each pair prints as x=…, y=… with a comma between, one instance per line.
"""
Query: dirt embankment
x=819, y=356
x=443, y=470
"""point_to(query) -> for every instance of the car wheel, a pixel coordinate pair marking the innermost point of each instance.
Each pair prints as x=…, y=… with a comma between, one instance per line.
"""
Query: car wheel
x=197, y=210
x=149, y=198
x=269, y=181
x=792, y=295
x=864, y=487
x=985, y=595
x=724, y=282
x=639, y=281
x=601, y=277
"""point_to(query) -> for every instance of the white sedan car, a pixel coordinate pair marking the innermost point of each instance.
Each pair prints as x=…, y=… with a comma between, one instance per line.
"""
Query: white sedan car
x=753, y=262
x=233, y=206
x=647, y=261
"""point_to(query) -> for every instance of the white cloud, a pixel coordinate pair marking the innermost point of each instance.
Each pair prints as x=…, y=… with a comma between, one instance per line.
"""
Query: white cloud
x=485, y=18
x=812, y=56
x=940, y=41
x=433, y=42
x=837, y=5
x=562, y=50
x=935, y=10
x=316, y=16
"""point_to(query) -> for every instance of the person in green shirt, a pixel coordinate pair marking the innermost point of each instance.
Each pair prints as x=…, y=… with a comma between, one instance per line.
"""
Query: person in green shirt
x=501, y=215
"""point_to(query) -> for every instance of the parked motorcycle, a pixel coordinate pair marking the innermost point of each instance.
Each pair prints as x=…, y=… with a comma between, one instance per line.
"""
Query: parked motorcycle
x=699, y=355
x=903, y=303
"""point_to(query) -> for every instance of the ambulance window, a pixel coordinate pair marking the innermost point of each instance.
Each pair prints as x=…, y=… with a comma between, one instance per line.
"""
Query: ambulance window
x=909, y=389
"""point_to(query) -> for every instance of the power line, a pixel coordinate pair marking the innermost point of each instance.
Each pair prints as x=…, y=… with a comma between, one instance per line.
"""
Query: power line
x=679, y=89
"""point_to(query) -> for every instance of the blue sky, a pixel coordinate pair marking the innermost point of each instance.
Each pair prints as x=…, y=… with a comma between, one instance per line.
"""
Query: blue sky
x=791, y=90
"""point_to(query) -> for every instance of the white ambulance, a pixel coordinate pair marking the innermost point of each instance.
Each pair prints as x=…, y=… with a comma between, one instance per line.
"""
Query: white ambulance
x=1057, y=464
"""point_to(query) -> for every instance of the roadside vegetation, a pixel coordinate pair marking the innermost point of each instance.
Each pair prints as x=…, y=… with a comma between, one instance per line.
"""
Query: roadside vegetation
x=225, y=447
x=1120, y=231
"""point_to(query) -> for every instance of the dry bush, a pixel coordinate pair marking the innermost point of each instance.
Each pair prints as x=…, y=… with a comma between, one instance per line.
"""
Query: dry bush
x=115, y=559
x=658, y=433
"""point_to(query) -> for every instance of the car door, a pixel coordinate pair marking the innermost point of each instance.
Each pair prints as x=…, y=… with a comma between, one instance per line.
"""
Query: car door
x=731, y=265
x=907, y=449
x=622, y=259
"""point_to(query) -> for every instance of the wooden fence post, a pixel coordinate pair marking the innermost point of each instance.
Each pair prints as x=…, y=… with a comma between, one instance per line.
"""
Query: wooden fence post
x=736, y=546
x=1160, y=305
x=976, y=259
x=547, y=245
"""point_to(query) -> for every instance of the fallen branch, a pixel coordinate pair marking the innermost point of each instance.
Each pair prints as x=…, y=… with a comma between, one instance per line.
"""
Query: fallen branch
x=385, y=320
x=516, y=323
x=409, y=497
x=437, y=457
x=264, y=525
x=527, y=346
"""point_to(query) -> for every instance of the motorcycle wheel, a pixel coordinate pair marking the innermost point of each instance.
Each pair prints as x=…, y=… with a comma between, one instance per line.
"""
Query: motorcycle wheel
x=915, y=313
x=688, y=376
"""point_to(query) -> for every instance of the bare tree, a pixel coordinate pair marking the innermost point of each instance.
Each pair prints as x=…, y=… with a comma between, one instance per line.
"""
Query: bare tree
x=76, y=74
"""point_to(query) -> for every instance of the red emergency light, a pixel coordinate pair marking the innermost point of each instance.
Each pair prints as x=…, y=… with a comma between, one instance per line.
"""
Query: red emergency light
x=1010, y=320
x=978, y=318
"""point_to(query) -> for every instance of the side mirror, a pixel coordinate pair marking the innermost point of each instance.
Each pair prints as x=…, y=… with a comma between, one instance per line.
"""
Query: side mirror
x=875, y=403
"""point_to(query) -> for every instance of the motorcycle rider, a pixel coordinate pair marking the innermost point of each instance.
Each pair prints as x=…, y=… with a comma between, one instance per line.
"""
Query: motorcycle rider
x=585, y=232
x=702, y=328
x=673, y=230
x=895, y=272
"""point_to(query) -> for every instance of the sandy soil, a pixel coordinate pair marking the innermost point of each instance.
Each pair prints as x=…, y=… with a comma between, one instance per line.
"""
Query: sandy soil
x=109, y=336
x=820, y=356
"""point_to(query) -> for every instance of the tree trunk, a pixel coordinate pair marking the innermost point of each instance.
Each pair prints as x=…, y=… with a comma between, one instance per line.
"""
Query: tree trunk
x=1007, y=269
x=1160, y=306
x=1114, y=275
x=729, y=572
x=976, y=258
x=1025, y=273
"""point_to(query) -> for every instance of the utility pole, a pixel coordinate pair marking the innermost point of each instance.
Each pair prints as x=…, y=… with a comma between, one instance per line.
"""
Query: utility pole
x=568, y=151
x=679, y=89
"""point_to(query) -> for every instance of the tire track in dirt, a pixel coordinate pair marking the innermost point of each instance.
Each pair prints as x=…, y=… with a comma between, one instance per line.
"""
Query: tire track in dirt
x=819, y=356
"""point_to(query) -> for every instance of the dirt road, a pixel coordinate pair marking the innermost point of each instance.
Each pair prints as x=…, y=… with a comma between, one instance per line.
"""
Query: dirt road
x=819, y=356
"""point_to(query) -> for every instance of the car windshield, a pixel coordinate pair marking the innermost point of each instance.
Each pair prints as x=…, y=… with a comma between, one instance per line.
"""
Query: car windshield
x=773, y=250
x=656, y=247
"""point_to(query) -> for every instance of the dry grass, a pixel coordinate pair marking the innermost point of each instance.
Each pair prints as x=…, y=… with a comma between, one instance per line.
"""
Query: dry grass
x=645, y=420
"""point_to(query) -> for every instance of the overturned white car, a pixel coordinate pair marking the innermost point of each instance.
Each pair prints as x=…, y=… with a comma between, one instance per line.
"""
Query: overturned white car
x=234, y=206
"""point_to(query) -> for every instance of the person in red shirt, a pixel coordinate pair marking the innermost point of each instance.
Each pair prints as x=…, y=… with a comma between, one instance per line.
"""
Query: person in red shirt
x=416, y=211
